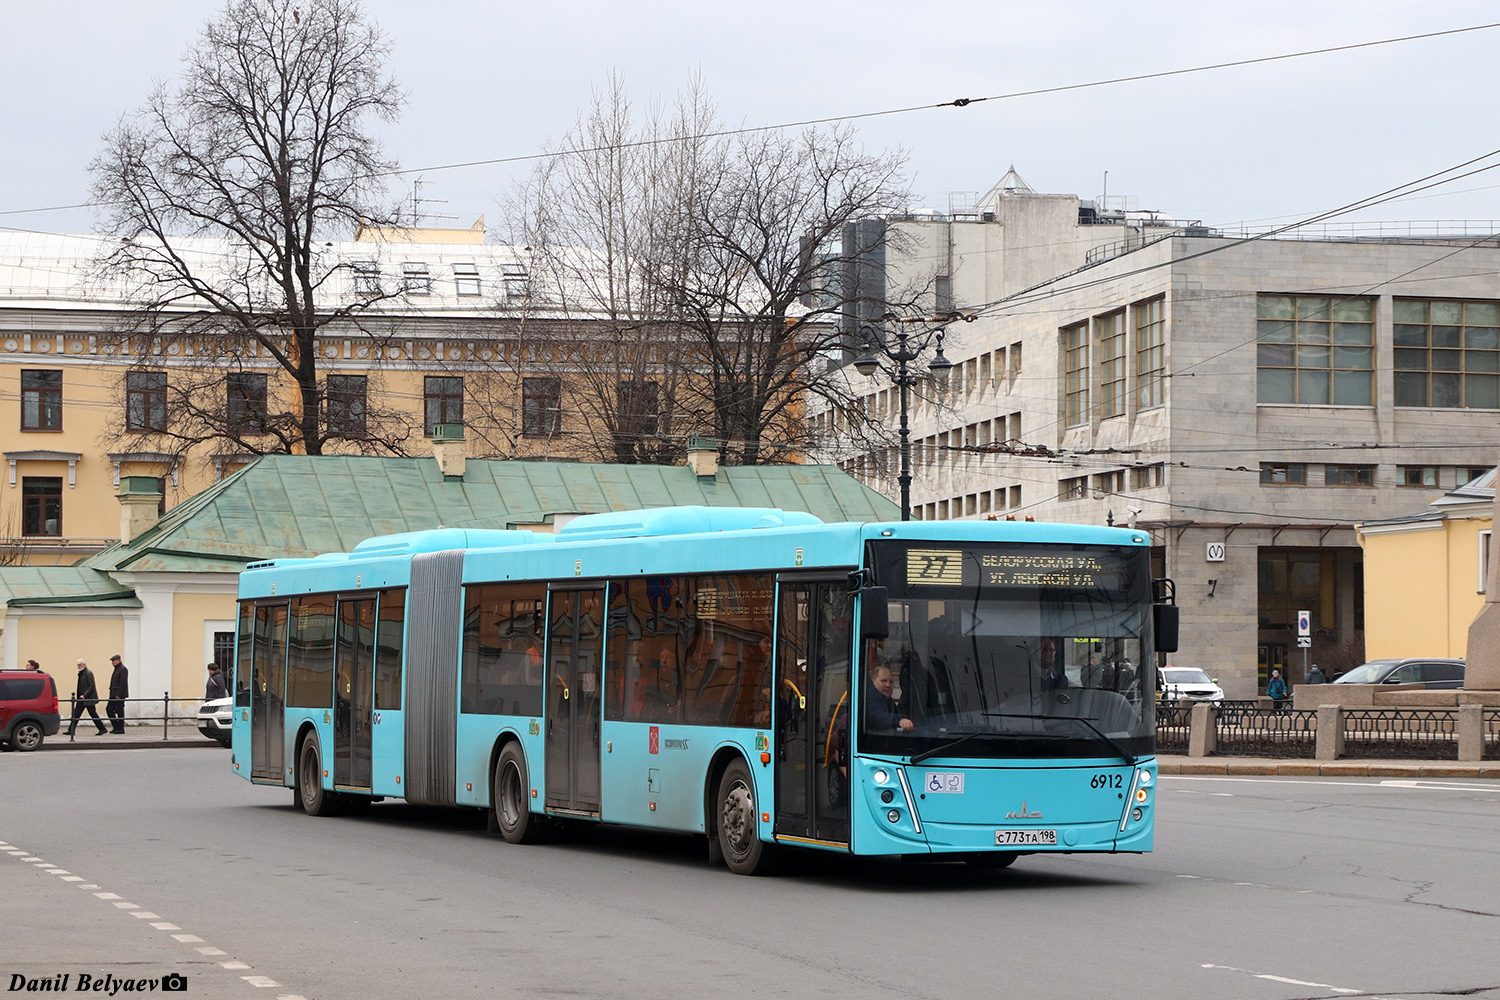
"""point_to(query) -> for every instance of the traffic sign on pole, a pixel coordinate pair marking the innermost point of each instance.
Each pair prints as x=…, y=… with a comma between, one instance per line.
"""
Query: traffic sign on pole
x=1304, y=642
x=1304, y=623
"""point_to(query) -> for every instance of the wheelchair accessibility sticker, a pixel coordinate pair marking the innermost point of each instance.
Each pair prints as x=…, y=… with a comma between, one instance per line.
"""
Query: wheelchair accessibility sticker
x=940, y=782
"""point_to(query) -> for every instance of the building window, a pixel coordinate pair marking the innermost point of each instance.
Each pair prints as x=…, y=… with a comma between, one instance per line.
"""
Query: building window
x=517, y=281
x=541, y=406
x=1110, y=482
x=1485, y=546
x=1073, y=489
x=415, y=278
x=1349, y=475
x=1146, y=476
x=1465, y=474
x=1015, y=496
x=1447, y=354
x=1076, y=369
x=146, y=401
x=41, y=506
x=346, y=405
x=41, y=399
x=1015, y=359
x=224, y=652
x=1283, y=473
x=1111, y=365
x=246, y=403
x=639, y=408
x=1150, y=353
x=1419, y=475
x=444, y=397
x=366, y=277
x=466, y=278
x=1315, y=350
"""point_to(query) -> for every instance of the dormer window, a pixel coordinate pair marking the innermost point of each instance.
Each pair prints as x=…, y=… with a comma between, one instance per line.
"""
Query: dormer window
x=415, y=278
x=466, y=278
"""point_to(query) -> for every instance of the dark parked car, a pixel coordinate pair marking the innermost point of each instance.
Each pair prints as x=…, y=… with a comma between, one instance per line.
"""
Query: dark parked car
x=1435, y=673
x=28, y=709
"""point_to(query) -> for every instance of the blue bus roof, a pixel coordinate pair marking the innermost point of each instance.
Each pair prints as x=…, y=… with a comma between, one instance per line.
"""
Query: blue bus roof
x=628, y=543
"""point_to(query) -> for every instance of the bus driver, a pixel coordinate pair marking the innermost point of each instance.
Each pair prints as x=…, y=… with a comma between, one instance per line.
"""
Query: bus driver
x=881, y=712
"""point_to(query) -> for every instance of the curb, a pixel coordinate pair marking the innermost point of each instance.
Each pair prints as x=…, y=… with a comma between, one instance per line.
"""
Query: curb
x=185, y=744
x=1330, y=769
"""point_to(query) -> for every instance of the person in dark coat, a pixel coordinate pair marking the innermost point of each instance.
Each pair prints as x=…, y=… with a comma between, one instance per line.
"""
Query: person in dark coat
x=119, y=690
x=881, y=712
x=86, y=697
x=1315, y=675
x=215, y=687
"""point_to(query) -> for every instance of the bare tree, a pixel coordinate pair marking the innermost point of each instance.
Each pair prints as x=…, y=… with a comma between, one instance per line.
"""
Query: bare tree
x=221, y=193
x=707, y=271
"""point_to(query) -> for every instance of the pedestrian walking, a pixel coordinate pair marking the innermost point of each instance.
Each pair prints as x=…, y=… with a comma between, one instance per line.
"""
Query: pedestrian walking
x=215, y=687
x=119, y=690
x=1315, y=675
x=85, y=697
x=1277, y=690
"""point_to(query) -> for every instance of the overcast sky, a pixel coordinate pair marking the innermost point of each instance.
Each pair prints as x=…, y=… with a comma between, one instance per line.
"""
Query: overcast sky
x=490, y=80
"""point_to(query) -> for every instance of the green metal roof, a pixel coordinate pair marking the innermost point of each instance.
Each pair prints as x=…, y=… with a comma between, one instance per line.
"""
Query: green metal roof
x=21, y=585
x=299, y=505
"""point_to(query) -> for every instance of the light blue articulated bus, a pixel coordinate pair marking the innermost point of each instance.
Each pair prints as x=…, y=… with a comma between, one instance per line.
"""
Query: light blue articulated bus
x=970, y=690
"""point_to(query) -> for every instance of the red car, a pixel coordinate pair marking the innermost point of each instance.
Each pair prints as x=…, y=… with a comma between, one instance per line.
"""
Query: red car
x=28, y=709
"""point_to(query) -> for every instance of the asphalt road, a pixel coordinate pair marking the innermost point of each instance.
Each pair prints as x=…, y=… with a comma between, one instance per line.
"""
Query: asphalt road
x=139, y=863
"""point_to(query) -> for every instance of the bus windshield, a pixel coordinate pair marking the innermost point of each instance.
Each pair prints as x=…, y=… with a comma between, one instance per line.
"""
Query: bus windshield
x=1017, y=650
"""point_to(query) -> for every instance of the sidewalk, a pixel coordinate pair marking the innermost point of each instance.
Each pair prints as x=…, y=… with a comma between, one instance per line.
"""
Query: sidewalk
x=1342, y=768
x=137, y=736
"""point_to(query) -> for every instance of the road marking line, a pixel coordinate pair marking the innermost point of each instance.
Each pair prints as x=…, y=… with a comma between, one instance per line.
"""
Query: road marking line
x=1421, y=785
x=61, y=871
x=188, y=938
x=290, y=996
x=1280, y=979
x=211, y=951
x=234, y=965
x=72, y=878
x=127, y=906
x=33, y=859
x=145, y=915
x=106, y=895
x=261, y=981
x=88, y=886
x=166, y=927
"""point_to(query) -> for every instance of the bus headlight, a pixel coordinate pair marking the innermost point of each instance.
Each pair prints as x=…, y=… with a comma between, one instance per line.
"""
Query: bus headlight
x=881, y=777
x=1145, y=777
x=1136, y=814
x=895, y=816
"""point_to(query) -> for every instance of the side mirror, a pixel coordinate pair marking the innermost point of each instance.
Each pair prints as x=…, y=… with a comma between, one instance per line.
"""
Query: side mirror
x=874, y=613
x=1164, y=620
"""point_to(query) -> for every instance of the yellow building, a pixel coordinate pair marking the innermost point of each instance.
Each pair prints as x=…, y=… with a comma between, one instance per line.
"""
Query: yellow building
x=1426, y=574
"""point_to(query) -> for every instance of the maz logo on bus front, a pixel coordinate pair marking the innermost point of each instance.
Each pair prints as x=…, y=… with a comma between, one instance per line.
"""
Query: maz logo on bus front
x=1023, y=814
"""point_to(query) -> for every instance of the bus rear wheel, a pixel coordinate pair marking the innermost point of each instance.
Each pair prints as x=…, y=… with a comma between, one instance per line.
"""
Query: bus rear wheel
x=738, y=832
x=510, y=798
x=315, y=800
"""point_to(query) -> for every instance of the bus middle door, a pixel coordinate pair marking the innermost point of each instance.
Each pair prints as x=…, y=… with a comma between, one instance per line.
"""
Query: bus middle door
x=815, y=629
x=575, y=641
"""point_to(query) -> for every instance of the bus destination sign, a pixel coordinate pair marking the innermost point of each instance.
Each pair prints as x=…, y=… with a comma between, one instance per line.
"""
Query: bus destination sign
x=989, y=566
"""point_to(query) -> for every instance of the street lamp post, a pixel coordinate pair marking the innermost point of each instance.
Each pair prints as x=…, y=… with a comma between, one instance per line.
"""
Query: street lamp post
x=904, y=354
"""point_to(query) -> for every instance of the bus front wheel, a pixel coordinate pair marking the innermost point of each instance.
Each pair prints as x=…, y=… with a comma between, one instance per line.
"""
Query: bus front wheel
x=738, y=832
x=510, y=799
x=315, y=800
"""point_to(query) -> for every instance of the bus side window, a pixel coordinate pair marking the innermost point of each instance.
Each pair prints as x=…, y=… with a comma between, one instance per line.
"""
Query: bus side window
x=389, y=629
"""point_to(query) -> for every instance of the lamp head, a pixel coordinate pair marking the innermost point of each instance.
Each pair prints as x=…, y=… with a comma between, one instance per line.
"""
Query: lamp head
x=867, y=364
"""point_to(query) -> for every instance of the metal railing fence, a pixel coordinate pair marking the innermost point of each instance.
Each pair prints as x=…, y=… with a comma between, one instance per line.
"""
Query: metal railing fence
x=1172, y=728
x=1258, y=732
x=1490, y=729
x=68, y=708
x=1430, y=733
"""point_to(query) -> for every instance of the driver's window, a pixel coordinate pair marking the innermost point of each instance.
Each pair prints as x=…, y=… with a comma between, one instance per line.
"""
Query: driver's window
x=1407, y=673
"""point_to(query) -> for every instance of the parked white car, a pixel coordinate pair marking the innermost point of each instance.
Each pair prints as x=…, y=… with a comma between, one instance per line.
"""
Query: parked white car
x=1190, y=683
x=216, y=720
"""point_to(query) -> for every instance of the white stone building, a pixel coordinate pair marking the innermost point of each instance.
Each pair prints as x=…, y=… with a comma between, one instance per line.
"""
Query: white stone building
x=1246, y=402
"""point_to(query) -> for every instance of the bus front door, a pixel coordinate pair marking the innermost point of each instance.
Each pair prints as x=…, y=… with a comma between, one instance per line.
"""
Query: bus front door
x=267, y=695
x=354, y=688
x=575, y=639
x=812, y=711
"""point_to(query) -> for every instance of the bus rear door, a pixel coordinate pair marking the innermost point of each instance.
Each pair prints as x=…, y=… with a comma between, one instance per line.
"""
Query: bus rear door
x=268, y=695
x=815, y=618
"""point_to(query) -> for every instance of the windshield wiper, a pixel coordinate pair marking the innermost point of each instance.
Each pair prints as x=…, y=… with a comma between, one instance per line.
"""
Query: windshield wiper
x=1127, y=757
x=944, y=748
